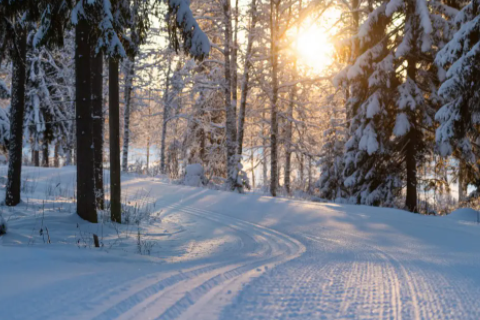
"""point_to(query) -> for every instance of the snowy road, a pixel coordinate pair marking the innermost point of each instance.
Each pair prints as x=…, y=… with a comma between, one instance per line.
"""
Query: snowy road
x=253, y=257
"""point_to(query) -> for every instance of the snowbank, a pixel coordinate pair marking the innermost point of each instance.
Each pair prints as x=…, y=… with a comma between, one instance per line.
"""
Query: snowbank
x=465, y=214
x=194, y=175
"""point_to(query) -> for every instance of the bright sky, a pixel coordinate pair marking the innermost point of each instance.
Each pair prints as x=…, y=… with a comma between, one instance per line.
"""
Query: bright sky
x=314, y=45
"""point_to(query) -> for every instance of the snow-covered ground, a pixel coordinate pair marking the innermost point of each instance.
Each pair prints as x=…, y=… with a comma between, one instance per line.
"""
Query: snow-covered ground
x=202, y=254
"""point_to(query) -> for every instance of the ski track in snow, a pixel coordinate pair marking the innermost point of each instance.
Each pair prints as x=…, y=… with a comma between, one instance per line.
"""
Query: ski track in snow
x=171, y=298
x=280, y=267
x=364, y=282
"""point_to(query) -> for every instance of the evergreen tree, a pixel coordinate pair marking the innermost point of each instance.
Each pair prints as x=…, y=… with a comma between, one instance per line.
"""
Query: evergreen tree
x=458, y=117
x=368, y=172
x=426, y=26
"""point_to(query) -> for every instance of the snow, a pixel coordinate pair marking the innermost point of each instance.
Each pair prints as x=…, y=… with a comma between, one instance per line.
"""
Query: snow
x=221, y=255
x=194, y=175
x=465, y=215
x=393, y=6
x=402, y=125
x=369, y=142
x=197, y=43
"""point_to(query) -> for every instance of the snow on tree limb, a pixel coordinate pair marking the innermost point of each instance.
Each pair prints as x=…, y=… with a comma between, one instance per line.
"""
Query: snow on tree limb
x=180, y=18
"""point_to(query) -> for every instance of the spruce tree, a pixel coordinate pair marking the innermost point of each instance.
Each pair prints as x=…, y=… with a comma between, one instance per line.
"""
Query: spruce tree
x=425, y=27
x=368, y=173
x=458, y=117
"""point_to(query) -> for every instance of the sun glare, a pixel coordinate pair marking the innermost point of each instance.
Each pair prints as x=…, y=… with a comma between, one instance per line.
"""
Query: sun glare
x=314, y=45
x=315, y=49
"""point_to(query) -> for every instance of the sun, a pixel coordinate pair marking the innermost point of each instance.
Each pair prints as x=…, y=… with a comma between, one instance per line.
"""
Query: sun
x=314, y=45
x=314, y=48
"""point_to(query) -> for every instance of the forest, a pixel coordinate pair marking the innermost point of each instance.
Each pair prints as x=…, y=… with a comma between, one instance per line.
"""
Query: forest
x=239, y=159
x=371, y=102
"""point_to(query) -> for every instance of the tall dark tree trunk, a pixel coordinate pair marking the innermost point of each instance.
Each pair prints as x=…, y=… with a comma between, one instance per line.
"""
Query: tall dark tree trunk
x=264, y=151
x=411, y=147
x=234, y=60
x=288, y=142
x=289, y=129
x=114, y=128
x=462, y=185
x=274, y=9
x=45, y=154
x=301, y=169
x=252, y=164
x=97, y=106
x=246, y=77
x=17, y=110
x=410, y=159
x=56, y=156
x=86, y=208
x=126, y=117
x=35, y=153
x=310, y=175
x=230, y=109
x=166, y=102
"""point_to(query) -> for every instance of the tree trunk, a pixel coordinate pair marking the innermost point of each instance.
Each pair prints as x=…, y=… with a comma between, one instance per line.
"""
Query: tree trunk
x=231, y=122
x=126, y=117
x=252, y=163
x=148, y=153
x=246, y=77
x=56, y=156
x=85, y=175
x=114, y=126
x=412, y=135
x=234, y=63
x=166, y=102
x=310, y=175
x=462, y=186
x=35, y=153
x=410, y=158
x=301, y=169
x=97, y=106
x=17, y=110
x=264, y=151
x=274, y=7
x=289, y=130
x=45, y=154
x=288, y=142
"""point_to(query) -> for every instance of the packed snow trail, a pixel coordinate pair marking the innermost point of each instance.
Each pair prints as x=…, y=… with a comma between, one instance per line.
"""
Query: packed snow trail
x=229, y=256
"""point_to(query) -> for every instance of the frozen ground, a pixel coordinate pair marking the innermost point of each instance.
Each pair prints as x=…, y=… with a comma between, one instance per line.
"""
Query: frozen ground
x=218, y=255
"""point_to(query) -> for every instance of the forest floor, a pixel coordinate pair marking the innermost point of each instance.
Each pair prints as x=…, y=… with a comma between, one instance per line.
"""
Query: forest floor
x=192, y=253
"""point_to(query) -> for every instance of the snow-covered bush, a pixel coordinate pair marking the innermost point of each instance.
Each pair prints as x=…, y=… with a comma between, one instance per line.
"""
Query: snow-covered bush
x=194, y=175
x=3, y=226
x=242, y=179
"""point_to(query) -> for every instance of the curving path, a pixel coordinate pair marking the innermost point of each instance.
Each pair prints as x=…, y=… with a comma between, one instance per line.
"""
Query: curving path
x=281, y=259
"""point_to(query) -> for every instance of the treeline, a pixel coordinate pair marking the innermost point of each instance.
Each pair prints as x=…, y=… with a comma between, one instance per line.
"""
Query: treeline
x=411, y=103
x=391, y=122
x=39, y=40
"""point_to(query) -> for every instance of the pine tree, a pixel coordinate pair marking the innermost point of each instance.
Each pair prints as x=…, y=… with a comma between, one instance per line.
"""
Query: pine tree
x=425, y=29
x=457, y=117
x=331, y=184
x=371, y=79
